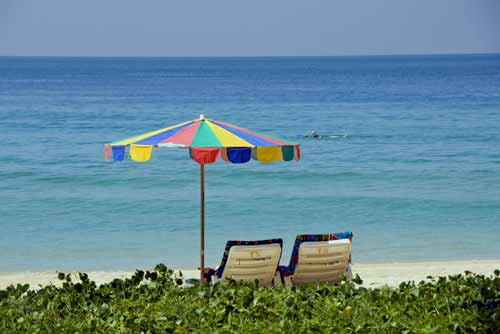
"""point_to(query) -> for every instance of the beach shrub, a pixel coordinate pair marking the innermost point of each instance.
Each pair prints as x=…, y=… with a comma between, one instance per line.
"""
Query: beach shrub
x=155, y=302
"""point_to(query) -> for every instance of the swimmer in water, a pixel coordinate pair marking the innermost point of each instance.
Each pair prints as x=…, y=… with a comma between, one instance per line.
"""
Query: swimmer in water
x=313, y=134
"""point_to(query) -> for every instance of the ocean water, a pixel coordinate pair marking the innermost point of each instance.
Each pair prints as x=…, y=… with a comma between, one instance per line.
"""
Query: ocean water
x=412, y=166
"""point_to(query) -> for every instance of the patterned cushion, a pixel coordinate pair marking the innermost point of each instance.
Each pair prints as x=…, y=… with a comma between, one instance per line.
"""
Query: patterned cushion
x=209, y=272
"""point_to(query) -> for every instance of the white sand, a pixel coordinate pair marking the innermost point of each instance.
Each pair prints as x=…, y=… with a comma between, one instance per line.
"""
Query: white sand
x=394, y=273
x=373, y=274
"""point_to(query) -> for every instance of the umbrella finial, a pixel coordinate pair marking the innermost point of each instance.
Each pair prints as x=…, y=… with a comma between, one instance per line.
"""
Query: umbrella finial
x=202, y=116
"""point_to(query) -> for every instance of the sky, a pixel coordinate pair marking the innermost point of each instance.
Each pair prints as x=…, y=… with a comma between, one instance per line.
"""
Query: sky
x=247, y=28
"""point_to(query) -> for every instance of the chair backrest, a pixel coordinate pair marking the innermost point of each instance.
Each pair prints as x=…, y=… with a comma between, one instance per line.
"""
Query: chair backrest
x=322, y=261
x=252, y=262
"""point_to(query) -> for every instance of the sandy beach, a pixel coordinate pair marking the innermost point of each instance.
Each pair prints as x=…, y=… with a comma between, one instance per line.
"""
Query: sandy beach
x=373, y=274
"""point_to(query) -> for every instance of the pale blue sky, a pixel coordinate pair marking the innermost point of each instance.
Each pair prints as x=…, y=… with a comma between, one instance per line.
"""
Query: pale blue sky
x=247, y=28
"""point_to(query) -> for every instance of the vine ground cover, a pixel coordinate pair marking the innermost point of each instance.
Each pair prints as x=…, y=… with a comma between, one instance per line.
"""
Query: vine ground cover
x=156, y=302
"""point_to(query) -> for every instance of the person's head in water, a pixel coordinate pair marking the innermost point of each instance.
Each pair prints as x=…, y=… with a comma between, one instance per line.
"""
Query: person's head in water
x=314, y=134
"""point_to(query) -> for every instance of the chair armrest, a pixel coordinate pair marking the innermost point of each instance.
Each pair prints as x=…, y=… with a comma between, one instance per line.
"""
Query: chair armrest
x=284, y=273
x=208, y=274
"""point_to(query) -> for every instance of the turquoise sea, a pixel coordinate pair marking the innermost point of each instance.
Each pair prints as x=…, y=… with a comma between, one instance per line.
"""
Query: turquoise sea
x=412, y=166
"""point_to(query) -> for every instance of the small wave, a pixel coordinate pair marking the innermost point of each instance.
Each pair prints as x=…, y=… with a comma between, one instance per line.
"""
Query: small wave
x=16, y=174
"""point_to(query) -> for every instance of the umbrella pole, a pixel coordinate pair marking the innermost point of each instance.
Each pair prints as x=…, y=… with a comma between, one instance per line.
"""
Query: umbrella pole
x=202, y=223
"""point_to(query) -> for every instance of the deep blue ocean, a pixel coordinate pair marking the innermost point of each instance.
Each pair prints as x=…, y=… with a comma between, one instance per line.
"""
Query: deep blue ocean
x=412, y=166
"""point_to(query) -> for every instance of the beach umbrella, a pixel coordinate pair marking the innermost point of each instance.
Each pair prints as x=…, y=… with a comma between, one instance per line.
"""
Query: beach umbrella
x=207, y=140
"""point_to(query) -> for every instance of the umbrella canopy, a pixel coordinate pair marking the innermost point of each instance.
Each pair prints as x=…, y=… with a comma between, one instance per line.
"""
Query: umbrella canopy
x=207, y=140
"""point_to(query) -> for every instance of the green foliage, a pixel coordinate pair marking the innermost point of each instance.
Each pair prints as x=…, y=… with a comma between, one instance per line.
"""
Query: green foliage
x=154, y=302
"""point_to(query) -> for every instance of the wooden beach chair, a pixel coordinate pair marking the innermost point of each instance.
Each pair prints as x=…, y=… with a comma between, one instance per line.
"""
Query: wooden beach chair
x=248, y=261
x=318, y=258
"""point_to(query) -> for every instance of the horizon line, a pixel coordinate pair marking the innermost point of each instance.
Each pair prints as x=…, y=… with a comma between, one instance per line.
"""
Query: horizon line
x=260, y=56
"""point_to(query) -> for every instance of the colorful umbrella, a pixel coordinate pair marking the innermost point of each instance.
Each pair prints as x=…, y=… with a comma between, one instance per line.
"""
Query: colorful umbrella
x=207, y=140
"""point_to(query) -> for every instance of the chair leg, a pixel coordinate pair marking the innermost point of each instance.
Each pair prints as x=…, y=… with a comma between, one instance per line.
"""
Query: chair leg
x=277, y=279
x=348, y=272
